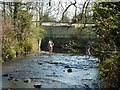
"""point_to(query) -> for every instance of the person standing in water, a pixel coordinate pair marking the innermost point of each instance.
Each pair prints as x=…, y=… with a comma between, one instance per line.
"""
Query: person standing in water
x=88, y=51
x=50, y=46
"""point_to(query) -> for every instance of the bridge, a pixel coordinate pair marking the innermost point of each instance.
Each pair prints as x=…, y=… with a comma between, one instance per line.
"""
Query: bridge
x=60, y=29
x=61, y=33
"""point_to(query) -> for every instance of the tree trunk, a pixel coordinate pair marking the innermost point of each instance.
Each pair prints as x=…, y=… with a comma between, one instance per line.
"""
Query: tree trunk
x=15, y=13
x=10, y=9
x=4, y=14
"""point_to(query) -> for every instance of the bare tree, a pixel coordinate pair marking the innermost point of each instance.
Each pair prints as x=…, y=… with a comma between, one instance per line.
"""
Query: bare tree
x=74, y=4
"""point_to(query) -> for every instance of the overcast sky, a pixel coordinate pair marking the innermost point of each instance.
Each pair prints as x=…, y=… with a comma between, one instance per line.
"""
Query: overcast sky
x=58, y=6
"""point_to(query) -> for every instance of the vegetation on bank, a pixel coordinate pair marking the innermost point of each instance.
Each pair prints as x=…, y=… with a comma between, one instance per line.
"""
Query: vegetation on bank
x=107, y=48
x=105, y=41
x=18, y=30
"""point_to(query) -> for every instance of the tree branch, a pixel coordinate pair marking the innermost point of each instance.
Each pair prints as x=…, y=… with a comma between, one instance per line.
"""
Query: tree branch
x=67, y=9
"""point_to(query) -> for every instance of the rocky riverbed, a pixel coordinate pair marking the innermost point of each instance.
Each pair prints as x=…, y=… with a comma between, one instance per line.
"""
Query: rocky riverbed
x=51, y=71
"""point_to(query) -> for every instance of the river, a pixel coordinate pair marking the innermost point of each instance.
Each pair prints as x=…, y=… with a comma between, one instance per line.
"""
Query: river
x=57, y=70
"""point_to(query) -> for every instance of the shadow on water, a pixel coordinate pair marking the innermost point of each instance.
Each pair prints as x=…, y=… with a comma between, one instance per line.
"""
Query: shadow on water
x=58, y=49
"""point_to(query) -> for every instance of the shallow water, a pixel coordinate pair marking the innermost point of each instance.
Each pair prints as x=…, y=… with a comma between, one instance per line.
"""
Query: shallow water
x=51, y=71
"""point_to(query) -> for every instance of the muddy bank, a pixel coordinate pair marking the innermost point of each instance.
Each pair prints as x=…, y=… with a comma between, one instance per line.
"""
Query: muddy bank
x=52, y=71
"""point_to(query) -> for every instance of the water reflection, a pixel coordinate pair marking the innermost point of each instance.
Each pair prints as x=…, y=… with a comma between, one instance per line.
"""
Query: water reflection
x=62, y=50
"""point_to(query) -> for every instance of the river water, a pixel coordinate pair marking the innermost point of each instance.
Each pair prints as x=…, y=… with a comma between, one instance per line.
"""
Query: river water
x=55, y=70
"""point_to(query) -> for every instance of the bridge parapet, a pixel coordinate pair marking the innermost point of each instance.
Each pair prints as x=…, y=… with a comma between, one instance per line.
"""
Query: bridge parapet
x=61, y=30
x=65, y=24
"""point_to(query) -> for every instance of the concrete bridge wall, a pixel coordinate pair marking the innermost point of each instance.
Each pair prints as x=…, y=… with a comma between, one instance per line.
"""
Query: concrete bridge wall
x=59, y=31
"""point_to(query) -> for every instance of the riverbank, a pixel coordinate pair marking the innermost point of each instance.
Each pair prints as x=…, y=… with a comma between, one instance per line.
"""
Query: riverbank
x=30, y=54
